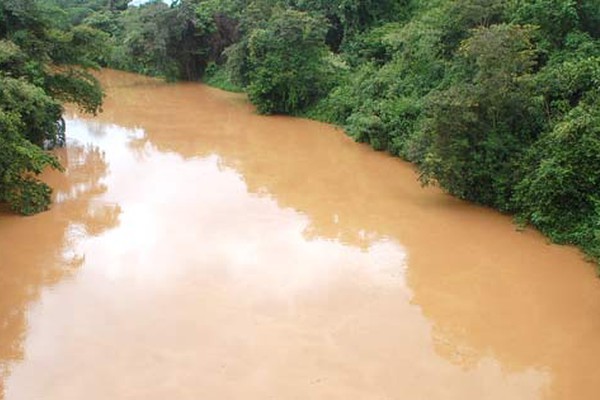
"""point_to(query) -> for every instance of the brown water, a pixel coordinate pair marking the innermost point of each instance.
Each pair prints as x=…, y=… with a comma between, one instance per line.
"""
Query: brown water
x=198, y=251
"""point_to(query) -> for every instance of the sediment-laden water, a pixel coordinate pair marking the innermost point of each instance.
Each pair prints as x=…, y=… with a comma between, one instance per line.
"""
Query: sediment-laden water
x=196, y=250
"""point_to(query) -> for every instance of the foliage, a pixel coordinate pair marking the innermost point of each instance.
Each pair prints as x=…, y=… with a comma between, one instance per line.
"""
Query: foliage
x=176, y=42
x=350, y=18
x=41, y=60
x=560, y=190
x=476, y=128
x=19, y=161
x=556, y=18
x=219, y=78
x=286, y=59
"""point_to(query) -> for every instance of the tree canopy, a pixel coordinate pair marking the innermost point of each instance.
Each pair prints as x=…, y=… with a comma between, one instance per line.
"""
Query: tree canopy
x=42, y=64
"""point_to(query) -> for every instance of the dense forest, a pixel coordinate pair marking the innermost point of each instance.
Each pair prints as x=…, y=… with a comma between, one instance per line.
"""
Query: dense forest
x=495, y=101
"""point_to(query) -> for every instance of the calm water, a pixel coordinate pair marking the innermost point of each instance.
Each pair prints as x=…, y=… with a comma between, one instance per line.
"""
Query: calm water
x=198, y=251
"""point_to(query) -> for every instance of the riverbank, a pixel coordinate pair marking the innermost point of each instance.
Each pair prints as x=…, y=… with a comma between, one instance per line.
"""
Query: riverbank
x=192, y=243
x=497, y=105
x=218, y=78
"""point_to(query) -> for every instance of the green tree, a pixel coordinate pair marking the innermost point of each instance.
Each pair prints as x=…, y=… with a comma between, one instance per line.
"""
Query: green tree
x=477, y=128
x=556, y=18
x=288, y=70
x=40, y=66
x=560, y=190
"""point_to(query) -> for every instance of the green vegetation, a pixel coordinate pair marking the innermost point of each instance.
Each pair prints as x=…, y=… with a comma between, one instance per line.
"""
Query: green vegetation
x=495, y=101
x=286, y=63
x=42, y=61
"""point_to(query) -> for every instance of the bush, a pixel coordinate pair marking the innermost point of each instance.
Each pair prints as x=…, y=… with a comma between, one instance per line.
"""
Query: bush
x=20, y=160
x=288, y=70
x=560, y=191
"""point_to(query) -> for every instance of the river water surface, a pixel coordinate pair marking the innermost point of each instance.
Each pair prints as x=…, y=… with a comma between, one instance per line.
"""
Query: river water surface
x=197, y=251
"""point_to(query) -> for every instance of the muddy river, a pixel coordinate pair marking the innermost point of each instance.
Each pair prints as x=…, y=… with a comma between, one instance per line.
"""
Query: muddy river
x=197, y=251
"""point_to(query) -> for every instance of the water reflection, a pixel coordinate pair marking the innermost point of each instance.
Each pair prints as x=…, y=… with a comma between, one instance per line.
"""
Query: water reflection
x=201, y=275
x=488, y=290
x=37, y=252
x=256, y=257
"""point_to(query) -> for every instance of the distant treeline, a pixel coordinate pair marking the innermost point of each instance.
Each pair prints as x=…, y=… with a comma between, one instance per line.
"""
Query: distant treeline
x=495, y=101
